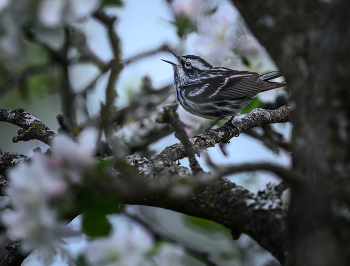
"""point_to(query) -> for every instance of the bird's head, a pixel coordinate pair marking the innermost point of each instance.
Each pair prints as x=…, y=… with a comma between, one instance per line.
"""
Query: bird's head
x=188, y=68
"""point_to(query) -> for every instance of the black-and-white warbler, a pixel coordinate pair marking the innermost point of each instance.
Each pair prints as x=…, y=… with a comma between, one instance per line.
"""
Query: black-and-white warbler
x=216, y=92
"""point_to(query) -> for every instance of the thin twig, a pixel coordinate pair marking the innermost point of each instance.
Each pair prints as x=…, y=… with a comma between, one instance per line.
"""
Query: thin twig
x=87, y=55
x=60, y=57
x=268, y=139
x=162, y=48
x=116, y=66
x=286, y=174
x=171, y=117
x=67, y=95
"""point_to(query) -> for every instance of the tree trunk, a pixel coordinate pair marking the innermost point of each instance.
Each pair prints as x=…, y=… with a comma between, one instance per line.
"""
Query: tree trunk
x=310, y=42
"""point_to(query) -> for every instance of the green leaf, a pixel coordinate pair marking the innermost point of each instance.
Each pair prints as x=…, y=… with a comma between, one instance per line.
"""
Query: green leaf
x=95, y=224
x=89, y=200
x=80, y=261
x=43, y=84
x=203, y=224
x=245, y=61
x=117, y=3
x=105, y=162
x=255, y=103
x=184, y=25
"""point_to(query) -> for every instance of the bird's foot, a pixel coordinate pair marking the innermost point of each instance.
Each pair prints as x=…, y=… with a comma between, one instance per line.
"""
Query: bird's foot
x=213, y=124
x=233, y=124
x=207, y=129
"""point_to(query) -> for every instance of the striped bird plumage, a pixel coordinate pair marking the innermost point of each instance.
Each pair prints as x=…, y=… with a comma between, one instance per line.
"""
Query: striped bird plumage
x=217, y=92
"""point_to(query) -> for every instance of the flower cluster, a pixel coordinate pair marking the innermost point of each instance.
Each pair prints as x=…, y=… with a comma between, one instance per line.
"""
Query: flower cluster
x=37, y=184
x=125, y=246
x=131, y=245
x=221, y=37
x=49, y=13
x=52, y=13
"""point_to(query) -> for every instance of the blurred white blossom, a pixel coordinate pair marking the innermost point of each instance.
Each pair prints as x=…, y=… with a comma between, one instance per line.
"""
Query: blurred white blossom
x=169, y=255
x=194, y=9
x=43, y=15
x=250, y=47
x=222, y=37
x=217, y=35
x=52, y=13
x=75, y=158
x=126, y=246
x=218, y=25
x=33, y=220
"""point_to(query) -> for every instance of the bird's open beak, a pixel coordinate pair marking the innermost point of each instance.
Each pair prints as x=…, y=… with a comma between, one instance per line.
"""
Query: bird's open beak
x=177, y=57
x=169, y=62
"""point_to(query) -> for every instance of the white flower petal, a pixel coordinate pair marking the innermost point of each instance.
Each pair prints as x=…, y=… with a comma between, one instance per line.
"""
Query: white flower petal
x=126, y=246
x=83, y=8
x=88, y=138
x=50, y=12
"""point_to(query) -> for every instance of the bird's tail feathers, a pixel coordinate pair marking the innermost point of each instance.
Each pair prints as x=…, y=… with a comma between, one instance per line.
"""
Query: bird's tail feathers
x=269, y=85
x=271, y=75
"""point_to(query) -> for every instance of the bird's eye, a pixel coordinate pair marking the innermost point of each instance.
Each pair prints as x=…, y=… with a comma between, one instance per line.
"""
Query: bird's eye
x=188, y=64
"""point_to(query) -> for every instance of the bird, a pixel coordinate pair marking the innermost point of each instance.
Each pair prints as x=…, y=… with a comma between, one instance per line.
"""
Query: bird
x=216, y=92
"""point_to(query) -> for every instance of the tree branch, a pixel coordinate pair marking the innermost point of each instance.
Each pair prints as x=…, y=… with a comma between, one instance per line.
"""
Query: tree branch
x=14, y=258
x=8, y=160
x=286, y=174
x=258, y=117
x=162, y=48
x=116, y=66
x=260, y=215
x=170, y=116
x=32, y=127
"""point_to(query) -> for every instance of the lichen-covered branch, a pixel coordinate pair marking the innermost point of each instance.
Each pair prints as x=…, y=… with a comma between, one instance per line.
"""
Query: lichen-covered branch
x=258, y=117
x=32, y=127
x=8, y=159
x=259, y=215
x=14, y=258
x=142, y=128
x=170, y=116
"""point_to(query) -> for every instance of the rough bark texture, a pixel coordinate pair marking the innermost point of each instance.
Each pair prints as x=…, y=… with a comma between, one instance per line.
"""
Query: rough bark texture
x=32, y=127
x=309, y=40
x=258, y=117
x=259, y=215
x=160, y=182
x=14, y=257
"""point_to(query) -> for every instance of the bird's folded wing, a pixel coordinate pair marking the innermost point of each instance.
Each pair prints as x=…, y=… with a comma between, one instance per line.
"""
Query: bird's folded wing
x=228, y=86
